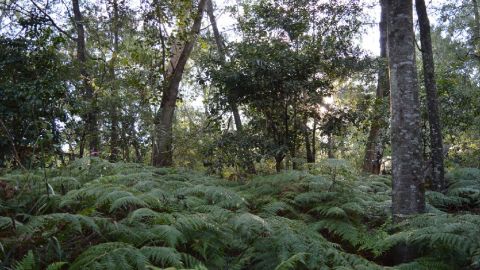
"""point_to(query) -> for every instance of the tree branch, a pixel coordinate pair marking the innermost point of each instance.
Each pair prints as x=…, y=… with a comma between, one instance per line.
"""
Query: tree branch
x=52, y=21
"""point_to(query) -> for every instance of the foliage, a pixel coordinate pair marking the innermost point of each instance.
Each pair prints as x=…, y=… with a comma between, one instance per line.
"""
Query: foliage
x=141, y=217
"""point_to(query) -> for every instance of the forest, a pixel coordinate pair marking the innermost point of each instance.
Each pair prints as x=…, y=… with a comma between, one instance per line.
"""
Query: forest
x=239, y=134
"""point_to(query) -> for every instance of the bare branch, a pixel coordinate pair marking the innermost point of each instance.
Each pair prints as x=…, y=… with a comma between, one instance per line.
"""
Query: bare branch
x=50, y=19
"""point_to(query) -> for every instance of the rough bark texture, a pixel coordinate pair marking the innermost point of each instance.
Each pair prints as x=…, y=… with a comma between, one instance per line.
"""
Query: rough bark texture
x=90, y=115
x=162, y=148
x=114, y=137
x=408, y=189
x=436, y=142
x=374, y=148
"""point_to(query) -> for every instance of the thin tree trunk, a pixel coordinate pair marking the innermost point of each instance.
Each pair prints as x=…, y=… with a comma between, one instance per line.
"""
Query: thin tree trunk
x=221, y=50
x=407, y=189
x=476, y=34
x=222, y=53
x=436, y=141
x=81, y=145
x=374, y=147
x=308, y=146
x=91, y=113
x=162, y=148
x=114, y=138
x=314, y=140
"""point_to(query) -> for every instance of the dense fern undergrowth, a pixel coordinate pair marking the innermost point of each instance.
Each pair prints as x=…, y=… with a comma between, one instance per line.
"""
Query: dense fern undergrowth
x=99, y=215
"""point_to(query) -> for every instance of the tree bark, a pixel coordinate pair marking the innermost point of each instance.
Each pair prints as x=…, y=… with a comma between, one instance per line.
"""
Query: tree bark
x=90, y=116
x=408, y=190
x=331, y=146
x=476, y=34
x=308, y=145
x=162, y=148
x=408, y=194
x=278, y=162
x=314, y=140
x=436, y=141
x=114, y=137
x=374, y=148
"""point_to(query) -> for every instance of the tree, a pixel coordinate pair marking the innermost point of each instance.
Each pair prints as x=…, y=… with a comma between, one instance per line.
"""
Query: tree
x=221, y=51
x=91, y=134
x=283, y=67
x=408, y=190
x=374, y=147
x=162, y=147
x=114, y=114
x=33, y=96
x=436, y=141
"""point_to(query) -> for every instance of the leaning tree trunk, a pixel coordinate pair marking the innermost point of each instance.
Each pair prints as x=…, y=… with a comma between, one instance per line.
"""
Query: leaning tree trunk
x=436, y=142
x=91, y=113
x=162, y=148
x=408, y=196
x=374, y=148
x=221, y=51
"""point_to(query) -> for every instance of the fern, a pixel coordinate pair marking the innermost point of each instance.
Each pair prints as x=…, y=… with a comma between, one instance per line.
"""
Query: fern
x=162, y=256
x=56, y=266
x=292, y=262
x=111, y=255
x=27, y=263
x=130, y=216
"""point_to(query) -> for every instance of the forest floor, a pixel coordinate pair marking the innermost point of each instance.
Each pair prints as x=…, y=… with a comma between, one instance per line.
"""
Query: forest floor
x=95, y=214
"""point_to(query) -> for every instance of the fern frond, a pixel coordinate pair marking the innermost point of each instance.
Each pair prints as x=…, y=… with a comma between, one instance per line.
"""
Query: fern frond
x=111, y=255
x=56, y=266
x=162, y=256
x=27, y=263
x=292, y=262
x=126, y=202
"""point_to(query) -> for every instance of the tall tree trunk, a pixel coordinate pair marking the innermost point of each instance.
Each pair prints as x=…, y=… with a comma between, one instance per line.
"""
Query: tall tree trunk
x=330, y=146
x=476, y=14
x=114, y=138
x=408, y=190
x=162, y=148
x=374, y=147
x=436, y=142
x=314, y=140
x=91, y=113
x=408, y=194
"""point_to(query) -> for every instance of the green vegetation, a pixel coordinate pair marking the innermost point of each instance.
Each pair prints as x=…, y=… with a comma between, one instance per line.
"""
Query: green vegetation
x=239, y=134
x=95, y=214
